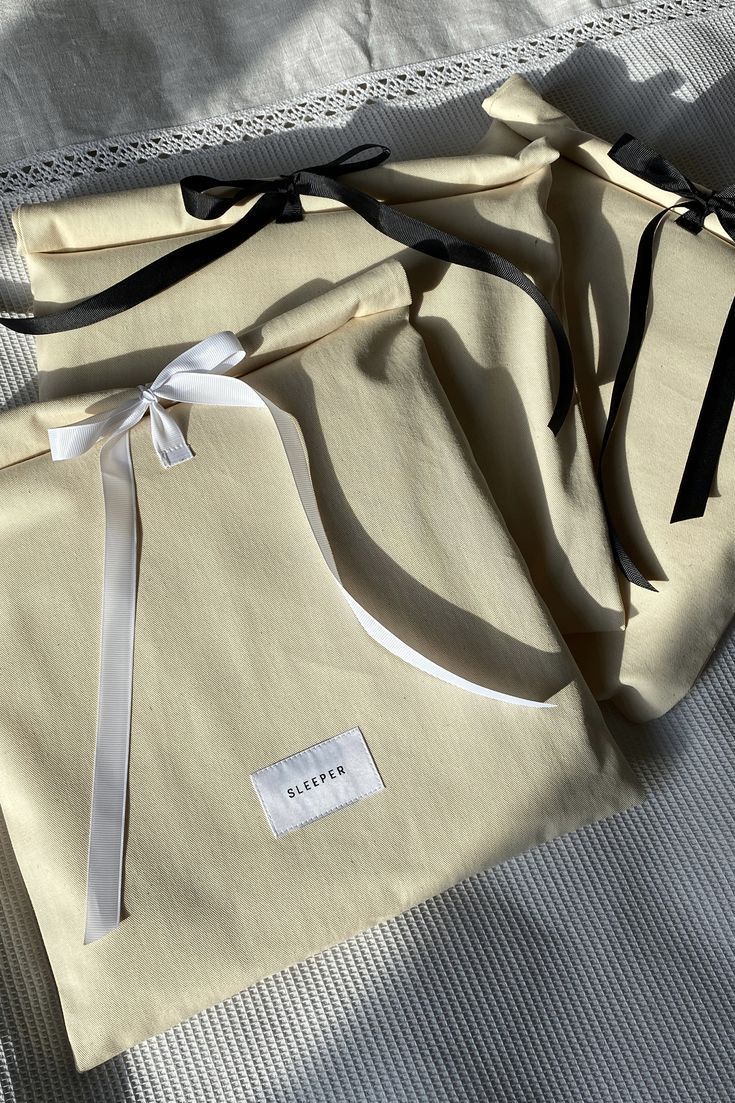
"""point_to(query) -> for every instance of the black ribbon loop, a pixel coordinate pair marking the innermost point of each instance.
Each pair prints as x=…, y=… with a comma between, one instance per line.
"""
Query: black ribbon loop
x=280, y=201
x=195, y=190
x=695, y=204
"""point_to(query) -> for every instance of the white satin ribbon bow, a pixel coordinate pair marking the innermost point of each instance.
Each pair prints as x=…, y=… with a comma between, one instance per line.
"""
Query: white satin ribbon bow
x=195, y=377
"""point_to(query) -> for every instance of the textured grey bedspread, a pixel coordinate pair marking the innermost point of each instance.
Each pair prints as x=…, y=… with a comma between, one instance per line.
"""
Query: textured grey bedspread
x=597, y=969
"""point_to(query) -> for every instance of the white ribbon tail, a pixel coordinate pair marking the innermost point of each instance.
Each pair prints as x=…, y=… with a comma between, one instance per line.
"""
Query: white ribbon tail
x=110, y=784
x=298, y=460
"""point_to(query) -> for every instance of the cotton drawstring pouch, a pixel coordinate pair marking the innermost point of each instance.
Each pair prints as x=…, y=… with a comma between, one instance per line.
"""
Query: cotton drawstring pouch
x=267, y=682
x=483, y=262
x=649, y=279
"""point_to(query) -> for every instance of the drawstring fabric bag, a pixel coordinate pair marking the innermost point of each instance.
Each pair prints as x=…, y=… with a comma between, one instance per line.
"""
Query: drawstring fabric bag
x=648, y=260
x=492, y=329
x=283, y=694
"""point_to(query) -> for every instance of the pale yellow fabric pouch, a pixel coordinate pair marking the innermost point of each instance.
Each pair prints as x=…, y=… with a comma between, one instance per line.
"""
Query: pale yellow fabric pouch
x=601, y=210
x=248, y=651
x=489, y=342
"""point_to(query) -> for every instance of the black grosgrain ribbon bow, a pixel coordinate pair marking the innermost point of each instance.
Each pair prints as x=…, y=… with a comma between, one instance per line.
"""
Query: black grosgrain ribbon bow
x=280, y=202
x=695, y=204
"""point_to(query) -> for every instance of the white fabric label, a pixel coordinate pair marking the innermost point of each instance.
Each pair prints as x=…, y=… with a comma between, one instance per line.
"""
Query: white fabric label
x=317, y=781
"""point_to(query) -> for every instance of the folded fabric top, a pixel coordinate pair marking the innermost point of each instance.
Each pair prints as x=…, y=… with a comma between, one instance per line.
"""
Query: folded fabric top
x=489, y=342
x=145, y=214
x=656, y=377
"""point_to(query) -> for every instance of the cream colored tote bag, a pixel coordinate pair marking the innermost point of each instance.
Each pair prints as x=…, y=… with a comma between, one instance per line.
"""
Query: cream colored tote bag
x=490, y=343
x=652, y=325
x=342, y=694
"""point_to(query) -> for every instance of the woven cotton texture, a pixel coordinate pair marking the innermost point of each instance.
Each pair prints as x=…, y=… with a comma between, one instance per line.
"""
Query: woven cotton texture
x=600, y=967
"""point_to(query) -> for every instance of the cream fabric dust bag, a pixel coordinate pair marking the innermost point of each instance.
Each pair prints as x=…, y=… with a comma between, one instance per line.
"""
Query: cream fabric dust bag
x=489, y=342
x=651, y=306
x=272, y=684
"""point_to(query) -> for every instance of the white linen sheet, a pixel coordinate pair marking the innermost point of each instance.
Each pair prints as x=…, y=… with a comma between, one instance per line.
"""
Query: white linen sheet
x=72, y=70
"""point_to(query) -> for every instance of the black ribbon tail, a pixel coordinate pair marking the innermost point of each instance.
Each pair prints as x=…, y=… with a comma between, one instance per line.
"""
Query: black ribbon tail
x=627, y=564
x=624, y=560
x=445, y=246
x=639, y=298
x=155, y=277
x=709, y=435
